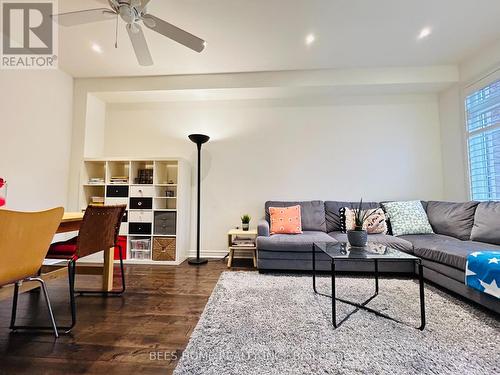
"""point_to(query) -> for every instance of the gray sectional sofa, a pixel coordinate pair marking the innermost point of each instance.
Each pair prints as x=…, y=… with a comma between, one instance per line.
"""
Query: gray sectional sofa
x=459, y=229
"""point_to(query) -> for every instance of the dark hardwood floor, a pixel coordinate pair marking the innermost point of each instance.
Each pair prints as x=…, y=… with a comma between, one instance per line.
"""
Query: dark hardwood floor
x=139, y=332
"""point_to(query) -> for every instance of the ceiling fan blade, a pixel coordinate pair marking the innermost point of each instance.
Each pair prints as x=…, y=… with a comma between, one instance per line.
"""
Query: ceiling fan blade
x=173, y=32
x=84, y=16
x=140, y=45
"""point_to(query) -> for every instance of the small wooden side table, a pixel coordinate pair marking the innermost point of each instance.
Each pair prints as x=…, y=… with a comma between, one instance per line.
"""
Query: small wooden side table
x=251, y=233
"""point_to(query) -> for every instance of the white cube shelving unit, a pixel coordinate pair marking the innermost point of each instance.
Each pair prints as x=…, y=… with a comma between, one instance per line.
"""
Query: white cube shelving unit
x=156, y=226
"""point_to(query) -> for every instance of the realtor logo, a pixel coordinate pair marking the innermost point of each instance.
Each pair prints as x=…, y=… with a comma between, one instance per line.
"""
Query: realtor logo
x=29, y=37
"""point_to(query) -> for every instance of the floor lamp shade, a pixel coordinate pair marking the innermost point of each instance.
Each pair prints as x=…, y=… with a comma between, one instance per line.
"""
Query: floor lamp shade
x=199, y=139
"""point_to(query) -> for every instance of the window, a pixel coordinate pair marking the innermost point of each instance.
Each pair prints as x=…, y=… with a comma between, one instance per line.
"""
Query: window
x=483, y=131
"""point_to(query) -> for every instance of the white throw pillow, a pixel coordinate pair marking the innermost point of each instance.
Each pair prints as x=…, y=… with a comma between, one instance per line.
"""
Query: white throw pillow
x=375, y=222
x=407, y=218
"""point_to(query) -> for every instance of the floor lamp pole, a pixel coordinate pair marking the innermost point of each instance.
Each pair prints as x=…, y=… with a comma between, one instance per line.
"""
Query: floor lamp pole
x=199, y=139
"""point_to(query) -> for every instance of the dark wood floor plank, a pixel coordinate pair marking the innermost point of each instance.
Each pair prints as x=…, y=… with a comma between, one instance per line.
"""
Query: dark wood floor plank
x=115, y=335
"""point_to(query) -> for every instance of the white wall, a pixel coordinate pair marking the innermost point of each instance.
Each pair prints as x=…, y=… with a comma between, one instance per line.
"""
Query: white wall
x=453, y=147
x=473, y=70
x=484, y=61
x=35, y=140
x=94, y=127
x=375, y=147
x=379, y=81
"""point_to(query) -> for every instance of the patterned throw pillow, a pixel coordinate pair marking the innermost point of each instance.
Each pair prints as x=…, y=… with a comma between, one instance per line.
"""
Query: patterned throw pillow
x=285, y=220
x=374, y=224
x=407, y=218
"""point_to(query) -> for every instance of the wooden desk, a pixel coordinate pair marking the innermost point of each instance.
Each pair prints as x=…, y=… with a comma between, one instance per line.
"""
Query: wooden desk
x=70, y=222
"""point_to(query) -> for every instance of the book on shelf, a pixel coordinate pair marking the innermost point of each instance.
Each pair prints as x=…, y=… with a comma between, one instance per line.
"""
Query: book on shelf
x=250, y=244
x=96, y=181
x=97, y=201
x=144, y=177
x=118, y=180
x=243, y=242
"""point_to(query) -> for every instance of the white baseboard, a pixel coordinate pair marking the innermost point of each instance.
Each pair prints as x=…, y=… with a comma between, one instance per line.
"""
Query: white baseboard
x=210, y=254
x=218, y=254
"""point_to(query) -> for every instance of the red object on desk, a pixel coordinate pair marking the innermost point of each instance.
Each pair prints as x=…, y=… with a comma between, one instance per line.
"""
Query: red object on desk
x=3, y=192
x=122, y=241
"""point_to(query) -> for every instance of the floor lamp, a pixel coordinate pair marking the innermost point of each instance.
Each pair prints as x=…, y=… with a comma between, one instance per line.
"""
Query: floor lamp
x=199, y=139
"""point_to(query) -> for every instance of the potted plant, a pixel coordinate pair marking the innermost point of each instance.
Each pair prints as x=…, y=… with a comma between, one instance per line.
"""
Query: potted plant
x=358, y=237
x=245, y=222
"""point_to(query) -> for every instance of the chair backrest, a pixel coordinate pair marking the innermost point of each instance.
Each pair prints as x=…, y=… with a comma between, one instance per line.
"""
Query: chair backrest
x=99, y=229
x=24, y=242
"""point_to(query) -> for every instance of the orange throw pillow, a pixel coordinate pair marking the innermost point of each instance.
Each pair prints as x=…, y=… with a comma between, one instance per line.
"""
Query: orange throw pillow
x=285, y=220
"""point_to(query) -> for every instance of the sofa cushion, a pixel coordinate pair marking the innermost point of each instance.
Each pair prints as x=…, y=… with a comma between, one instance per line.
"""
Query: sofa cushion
x=383, y=239
x=332, y=212
x=312, y=213
x=407, y=217
x=64, y=249
x=285, y=220
x=292, y=242
x=375, y=221
x=452, y=219
x=486, y=223
x=445, y=249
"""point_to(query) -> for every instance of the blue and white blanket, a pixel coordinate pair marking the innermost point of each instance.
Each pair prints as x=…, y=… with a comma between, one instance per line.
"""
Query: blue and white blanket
x=482, y=272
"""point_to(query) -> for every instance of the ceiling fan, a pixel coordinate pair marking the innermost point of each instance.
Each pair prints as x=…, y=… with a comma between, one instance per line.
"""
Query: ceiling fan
x=133, y=12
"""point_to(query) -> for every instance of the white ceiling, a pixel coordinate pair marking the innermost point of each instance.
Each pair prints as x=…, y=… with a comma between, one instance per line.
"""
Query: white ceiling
x=267, y=35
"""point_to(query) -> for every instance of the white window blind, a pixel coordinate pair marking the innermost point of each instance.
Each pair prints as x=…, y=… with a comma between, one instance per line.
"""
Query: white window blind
x=483, y=127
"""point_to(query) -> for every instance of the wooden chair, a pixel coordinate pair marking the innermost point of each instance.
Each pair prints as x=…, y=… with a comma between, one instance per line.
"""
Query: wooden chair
x=98, y=232
x=24, y=240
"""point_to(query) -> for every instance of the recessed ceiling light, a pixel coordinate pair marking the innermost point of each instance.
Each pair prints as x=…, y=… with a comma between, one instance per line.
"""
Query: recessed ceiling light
x=310, y=38
x=424, y=33
x=96, y=48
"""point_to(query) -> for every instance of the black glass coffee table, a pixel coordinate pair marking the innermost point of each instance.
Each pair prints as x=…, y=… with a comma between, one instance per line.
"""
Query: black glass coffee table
x=343, y=252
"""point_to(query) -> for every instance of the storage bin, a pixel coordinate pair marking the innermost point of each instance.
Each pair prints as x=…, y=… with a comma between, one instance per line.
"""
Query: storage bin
x=140, y=244
x=142, y=191
x=163, y=248
x=122, y=241
x=141, y=203
x=115, y=201
x=165, y=223
x=141, y=216
x=117, y=191
x=139, y=228
x=140, y=254
x=140, y=248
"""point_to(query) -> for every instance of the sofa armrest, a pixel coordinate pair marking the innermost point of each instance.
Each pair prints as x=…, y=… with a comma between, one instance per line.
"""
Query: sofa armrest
x=263, y=228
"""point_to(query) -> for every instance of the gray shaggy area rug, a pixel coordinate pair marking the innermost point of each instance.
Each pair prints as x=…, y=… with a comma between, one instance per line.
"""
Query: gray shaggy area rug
x=275, y=324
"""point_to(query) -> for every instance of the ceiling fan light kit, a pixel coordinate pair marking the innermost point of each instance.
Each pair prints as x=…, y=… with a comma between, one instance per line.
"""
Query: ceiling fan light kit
x=133, y=12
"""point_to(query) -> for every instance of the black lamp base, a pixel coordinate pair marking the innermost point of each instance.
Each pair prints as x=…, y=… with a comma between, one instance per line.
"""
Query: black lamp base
x=197, y=261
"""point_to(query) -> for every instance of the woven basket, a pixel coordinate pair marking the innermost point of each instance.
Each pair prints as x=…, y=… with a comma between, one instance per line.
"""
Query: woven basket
x=163, y=248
